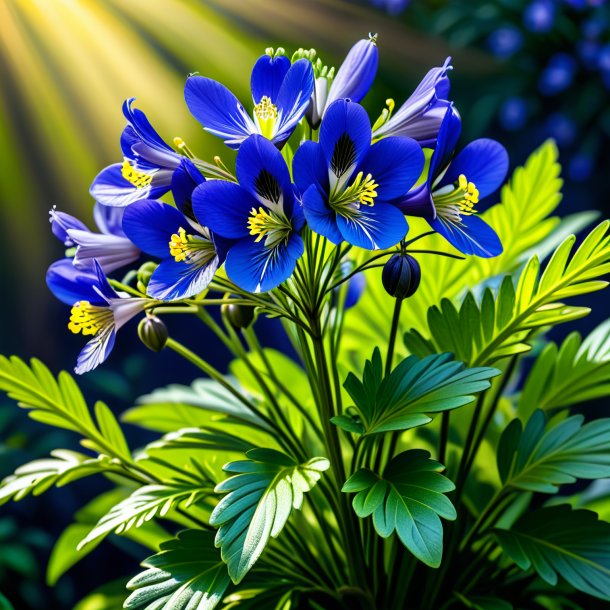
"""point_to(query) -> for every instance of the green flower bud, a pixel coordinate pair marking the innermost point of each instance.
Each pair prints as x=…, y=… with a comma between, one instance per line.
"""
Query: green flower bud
x=143, y=275
x=240, y=316
x=152, y=332
x=401, y=276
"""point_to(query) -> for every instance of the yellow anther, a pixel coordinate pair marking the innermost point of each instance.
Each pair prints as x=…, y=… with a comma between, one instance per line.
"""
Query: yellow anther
x=266, y=113
x=362, y=191
x=265, y=224
x=179, y=245
x=88, y=319
x=457, y=202
x=137, y=178
x=192, y=249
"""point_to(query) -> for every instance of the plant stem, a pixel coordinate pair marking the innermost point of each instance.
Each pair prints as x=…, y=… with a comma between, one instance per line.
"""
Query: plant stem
x=393, y=333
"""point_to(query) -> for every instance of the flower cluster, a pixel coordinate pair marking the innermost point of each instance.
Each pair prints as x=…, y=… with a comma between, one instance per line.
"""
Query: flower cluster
x=310, y=166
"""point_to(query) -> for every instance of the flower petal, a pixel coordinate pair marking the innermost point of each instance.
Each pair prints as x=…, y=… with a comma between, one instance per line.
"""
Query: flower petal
x=395, y=164
x=95, y=351
x=171, y=280
x=417, y=202
x=309, y=167
x=109, y=219
x=70, y=284
x=293, y=99
x=267, y=77
x=218, y=110
x=319, y=216
x=184, y=181
x=377, y=227
x=484, y=162
x=150, y=224
x=356, y=74
x=110, y=251
x=448, y=135
x=224, y=208
x=472, y=236
x=345, y=138
x=61, y=222
x=255, y=268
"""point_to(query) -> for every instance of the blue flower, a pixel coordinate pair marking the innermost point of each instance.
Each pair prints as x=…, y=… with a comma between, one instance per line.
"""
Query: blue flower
x=539, y=15
x=454, y=186
x=110, y=247
x=505, y=41
x=347, y=184
x=147, y=168
x=513, y=113
x=280, y=91
x=558, y=74
x=97, y=310
x=260, y=214
x=189, y=253
x=421, y=115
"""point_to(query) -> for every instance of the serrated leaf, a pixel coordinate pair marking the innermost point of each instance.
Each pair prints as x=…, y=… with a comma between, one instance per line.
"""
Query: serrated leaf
x=187, y=574
x=408, y=499
x=543, y=456
x=259, y=500
x=558, y=541
x=413, y=389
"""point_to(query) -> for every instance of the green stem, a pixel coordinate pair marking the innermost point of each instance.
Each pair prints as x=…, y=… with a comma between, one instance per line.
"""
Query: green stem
x=393, y=333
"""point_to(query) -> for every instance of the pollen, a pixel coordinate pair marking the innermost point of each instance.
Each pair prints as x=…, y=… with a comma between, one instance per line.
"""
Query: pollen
x=191, y=249
x=262, y=223
x=266, y=114
x=362, y=191
x=137, y=178
x=179, y=246
x=453, y=202
x=88, y=319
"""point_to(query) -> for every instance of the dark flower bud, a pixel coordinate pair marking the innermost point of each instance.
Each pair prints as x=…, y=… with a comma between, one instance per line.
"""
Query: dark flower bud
x=144, y=274
x=240, y=316
x=401, y=276
x=153, y=333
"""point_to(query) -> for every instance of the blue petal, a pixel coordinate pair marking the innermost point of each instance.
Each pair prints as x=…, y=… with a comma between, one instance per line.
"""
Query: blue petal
x=61, y=222
x=95, y=352
x=448, y=135
x=345, y=137
x=184, y=181
x=110, y=188
x=224, y=208
x=417, y=202
x=355, y=289
x=267, y=77
x=293, y=99
x=150, y=224
x=395, y=164
x=142, y=127
x=356, y=74
x=70, y=284
x=255, y=268
x=218, y=110
x=319, y=216
x=102, y=286
x=472, y=236
x=484, y=162
x=309, y=167
x=377, y=227
x=110, y=251
x=109, y=219
x=262, y=171
x=171, y=280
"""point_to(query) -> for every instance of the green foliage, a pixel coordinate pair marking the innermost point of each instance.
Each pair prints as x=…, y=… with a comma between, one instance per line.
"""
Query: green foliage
x=542, y=456
x=502, y=324
x=413, y=389
x=187, y=574
x=408, y=499
x=60, y=403
x=259, y=500
x=558, y=541
x=568, y=375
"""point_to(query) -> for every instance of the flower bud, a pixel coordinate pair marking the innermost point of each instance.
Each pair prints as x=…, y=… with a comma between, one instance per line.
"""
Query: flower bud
x=153, y=333
x=240, y=316
x=144, y=274
x=401, y=276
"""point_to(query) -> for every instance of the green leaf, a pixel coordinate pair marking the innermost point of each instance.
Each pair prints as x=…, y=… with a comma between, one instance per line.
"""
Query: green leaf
x=187, y=574
x=484, y=602
x=5, y=604
x=501, y=324
x=260, y=498
x=39, y=475
x=144, y=504
x=107, y=597
x=571, y=374
x=558, y=541
x=413, y=389
x=408, y=498
x=544, y=455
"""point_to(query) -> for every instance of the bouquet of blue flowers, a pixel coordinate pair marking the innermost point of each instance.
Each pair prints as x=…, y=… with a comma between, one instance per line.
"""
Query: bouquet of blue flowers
x=404, y=452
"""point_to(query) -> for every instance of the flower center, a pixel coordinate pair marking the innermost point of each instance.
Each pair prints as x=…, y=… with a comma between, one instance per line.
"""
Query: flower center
x=192, y=249
x=362, y=191
x=89, y=319
x=135, y=177
x=454, y=201
x=266, y=114
x=274, y=227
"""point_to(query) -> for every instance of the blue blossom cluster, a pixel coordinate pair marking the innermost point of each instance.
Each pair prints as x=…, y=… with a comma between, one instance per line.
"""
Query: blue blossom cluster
x=308, y=161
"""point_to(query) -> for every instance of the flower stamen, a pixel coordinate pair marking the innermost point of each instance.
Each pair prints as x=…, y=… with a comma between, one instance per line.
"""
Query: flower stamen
x=190, y=248
x=274, y=227
x=137, y=178
x=89, y=319
x=362, y=191
x=266, y=114
x=458, y=201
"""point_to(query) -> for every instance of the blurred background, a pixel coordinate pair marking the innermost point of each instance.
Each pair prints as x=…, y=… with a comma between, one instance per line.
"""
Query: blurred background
x=525, y=70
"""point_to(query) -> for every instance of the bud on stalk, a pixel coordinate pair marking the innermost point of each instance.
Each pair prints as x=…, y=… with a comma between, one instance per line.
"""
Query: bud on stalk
x=240, y=316
x=401, y=276
x=153, y=333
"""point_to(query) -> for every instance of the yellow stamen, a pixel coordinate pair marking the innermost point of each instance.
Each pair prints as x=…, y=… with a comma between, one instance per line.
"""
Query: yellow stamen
x=362, y=191
x=264, y=223
x=190, y=248
x=137, y=178
x=459, y=202
x=88, y=319
x=266, y=113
